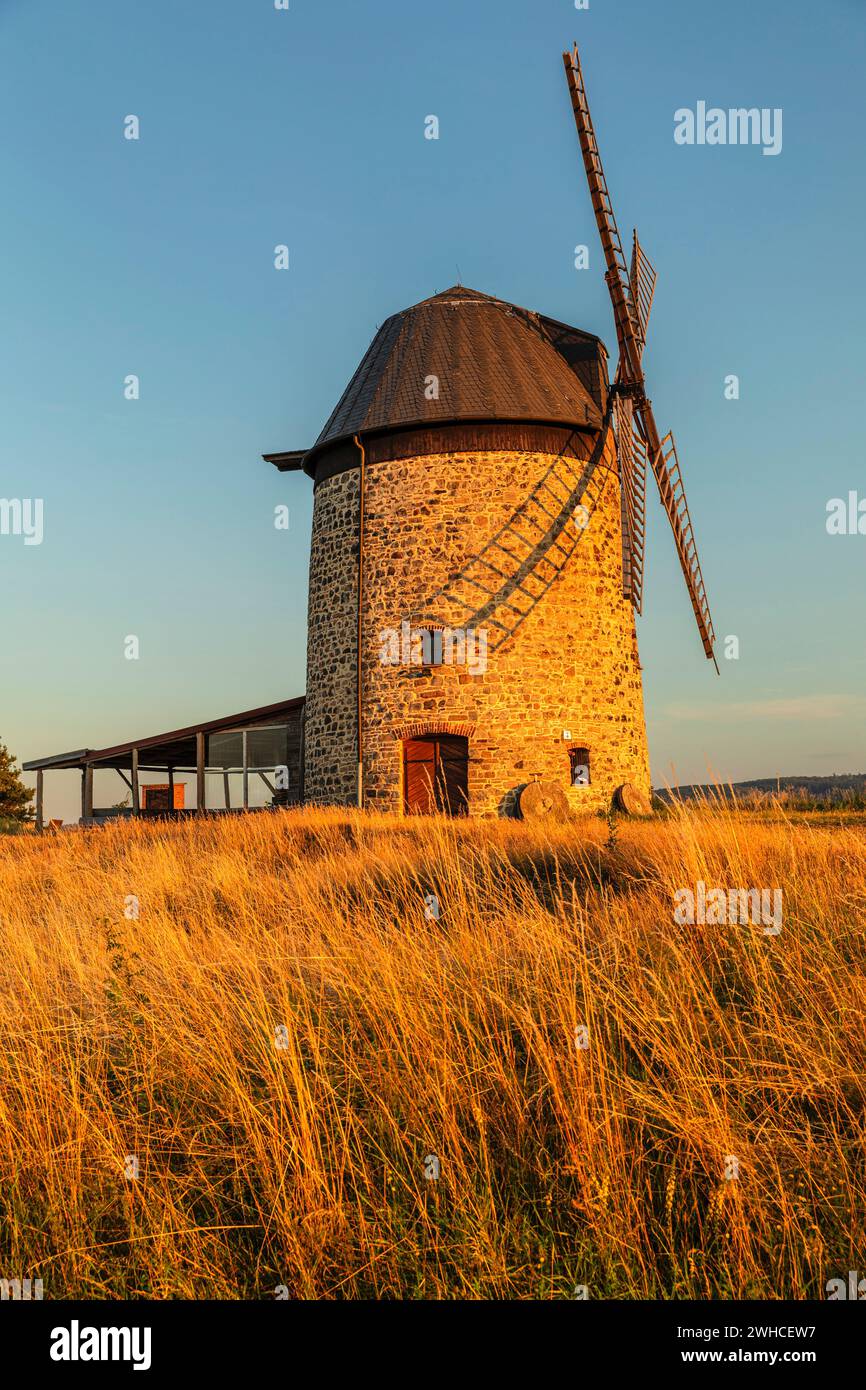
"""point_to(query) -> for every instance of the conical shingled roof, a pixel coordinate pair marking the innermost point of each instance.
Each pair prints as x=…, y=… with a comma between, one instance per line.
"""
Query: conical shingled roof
x=493, y=361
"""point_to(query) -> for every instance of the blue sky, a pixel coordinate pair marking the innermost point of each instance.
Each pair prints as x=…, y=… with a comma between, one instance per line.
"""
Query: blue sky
x=306, y=127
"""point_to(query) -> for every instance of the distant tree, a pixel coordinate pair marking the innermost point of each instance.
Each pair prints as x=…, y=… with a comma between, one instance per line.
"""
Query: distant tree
x=15, y=798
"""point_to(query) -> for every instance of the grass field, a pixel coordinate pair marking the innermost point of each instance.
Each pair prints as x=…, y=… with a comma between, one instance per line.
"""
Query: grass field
x=283, y=1044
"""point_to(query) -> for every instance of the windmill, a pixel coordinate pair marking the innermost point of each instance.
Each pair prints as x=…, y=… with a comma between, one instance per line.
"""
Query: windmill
x=494, y=508
x=632, y=288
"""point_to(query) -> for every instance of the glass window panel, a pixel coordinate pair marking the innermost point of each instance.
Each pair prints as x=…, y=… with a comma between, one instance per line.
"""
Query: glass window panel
x=225, y=750
x=268, y=747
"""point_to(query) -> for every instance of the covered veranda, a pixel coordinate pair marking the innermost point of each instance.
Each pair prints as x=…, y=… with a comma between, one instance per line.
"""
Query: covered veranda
x=261, y=746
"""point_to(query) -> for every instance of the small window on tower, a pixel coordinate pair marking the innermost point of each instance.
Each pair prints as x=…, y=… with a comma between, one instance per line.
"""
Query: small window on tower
x=579, y=766
x=430, y=637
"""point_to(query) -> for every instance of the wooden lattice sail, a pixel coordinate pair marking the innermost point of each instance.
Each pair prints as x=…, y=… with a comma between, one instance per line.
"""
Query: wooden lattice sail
x=632, y=288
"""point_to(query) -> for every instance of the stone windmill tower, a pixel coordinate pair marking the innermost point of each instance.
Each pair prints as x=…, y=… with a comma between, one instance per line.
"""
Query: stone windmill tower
x=476, y=558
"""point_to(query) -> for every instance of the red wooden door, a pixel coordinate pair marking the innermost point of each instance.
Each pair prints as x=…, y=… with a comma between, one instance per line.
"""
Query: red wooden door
x=436, y=775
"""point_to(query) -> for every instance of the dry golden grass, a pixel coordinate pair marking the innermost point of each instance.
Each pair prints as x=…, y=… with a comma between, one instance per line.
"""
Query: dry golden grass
x=303, y=1166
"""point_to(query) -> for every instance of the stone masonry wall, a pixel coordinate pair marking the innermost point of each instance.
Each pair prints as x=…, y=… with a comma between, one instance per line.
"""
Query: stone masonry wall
x=570, y=665
x=330, y=737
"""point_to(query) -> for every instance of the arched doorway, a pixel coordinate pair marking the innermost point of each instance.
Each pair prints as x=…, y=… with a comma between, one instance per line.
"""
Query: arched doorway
x=436, y=775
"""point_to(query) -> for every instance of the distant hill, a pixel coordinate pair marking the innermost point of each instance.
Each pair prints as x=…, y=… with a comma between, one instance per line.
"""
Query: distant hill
x=844, y=788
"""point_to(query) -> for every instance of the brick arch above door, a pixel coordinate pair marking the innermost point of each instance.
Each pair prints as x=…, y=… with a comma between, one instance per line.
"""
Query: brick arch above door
x=419, y=727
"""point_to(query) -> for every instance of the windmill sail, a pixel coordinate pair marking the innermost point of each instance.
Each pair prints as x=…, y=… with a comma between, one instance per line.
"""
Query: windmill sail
x=631, y=458
x=632, y=288
x=666, y=468
x=642, y=281
x=618, y=276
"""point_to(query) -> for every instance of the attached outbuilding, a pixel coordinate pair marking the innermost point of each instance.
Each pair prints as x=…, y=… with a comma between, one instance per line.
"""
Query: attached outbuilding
x=239, y=762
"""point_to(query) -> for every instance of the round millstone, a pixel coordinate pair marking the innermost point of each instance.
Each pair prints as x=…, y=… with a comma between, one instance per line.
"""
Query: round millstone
x=627, y=798
x=539, y=800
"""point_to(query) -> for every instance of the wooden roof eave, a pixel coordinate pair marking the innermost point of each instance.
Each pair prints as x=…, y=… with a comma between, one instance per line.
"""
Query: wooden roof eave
x=288, y=462
x=57, y=760
x=116, y=756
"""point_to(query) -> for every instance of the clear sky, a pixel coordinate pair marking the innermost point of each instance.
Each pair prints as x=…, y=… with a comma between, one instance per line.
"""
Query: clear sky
x=259, y=127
